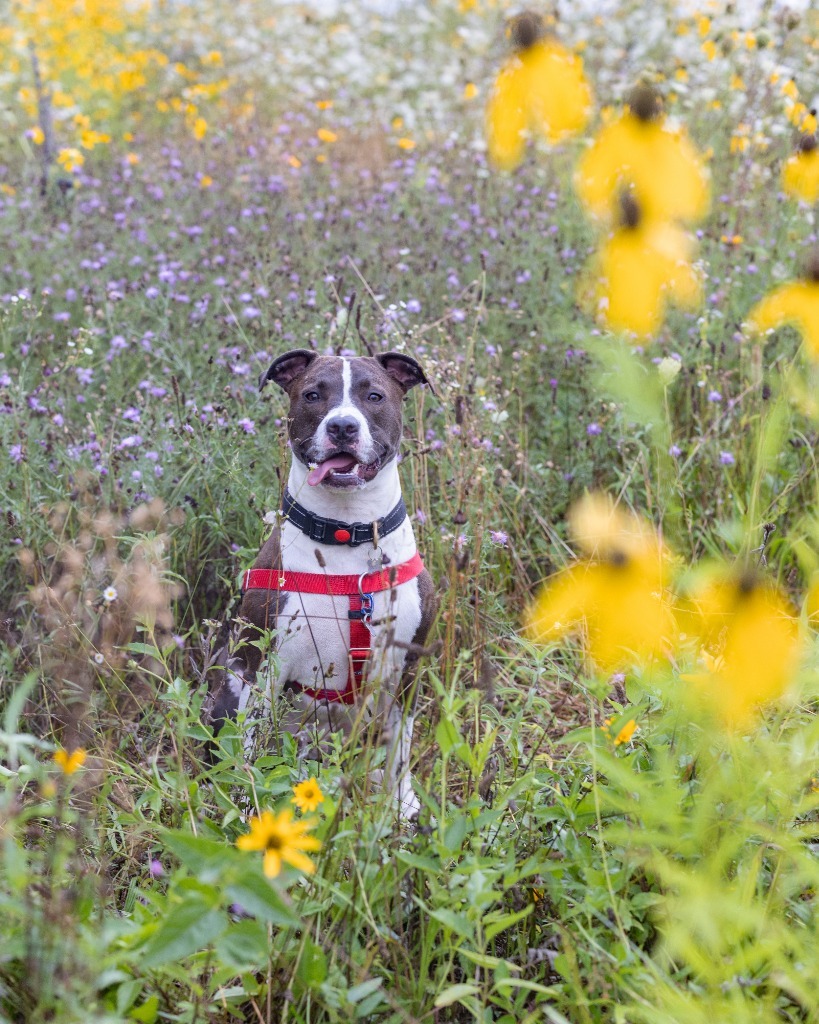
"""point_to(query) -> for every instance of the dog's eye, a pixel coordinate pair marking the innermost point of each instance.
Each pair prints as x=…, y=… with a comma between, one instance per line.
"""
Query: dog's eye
x=311, y=396
x=374, y=396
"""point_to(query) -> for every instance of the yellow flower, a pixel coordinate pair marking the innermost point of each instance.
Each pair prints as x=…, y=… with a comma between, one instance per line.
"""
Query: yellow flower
x=470, y=91
x=624, y=734
x=294, y=162
x=709, y=48
x=406, y=144
x=618, y=589
x=132, y=159
x=200, y=128
x=307, y=795
x=797, y=113
x=70, y=761
x=326, y=135
x=324, y=104
x=282, y=839
x=205, y=181
x=540, y=89
x=800, y=175
x=789, y=89
x=639, y=152
x=795, y=303
x=37, y=135
x=641, y=267
x=751, y=640
x=70, y=159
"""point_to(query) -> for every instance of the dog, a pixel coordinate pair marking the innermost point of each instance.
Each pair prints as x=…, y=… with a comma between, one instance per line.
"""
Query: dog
x=339, y=582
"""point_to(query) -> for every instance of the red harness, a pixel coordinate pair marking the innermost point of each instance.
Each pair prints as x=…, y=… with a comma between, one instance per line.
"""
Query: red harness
x=359, y=589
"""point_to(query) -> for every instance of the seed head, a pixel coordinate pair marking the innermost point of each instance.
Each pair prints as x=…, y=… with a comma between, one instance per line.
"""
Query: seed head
x=806, y=143
x=630, y=212
x=526, y=29
x=645, y=102
x=812, y=267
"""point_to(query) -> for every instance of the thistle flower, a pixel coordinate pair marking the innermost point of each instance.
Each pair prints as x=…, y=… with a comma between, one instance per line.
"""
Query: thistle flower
x=800, y=173
x=540, y=89
x=618, y=589
x=751, y=643
x=640, y=153
x=282, y=839
x=641, y=267
x=795, y=303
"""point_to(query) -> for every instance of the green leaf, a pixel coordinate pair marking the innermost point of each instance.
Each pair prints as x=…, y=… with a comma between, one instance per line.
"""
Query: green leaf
x=148, y=1012
x=455, y=994
x=494, y=925
x=257, y=896
x=244, y=946
x=312, y=969
x=458, y=923
x=359, y=992
x=195, y=852
x=431, y=865
x=188, y=929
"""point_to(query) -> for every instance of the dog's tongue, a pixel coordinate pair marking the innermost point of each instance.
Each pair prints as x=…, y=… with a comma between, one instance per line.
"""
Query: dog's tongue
x=335, y=464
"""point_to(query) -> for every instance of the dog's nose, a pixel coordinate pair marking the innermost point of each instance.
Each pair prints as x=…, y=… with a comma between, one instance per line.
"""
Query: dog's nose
x=343, y=428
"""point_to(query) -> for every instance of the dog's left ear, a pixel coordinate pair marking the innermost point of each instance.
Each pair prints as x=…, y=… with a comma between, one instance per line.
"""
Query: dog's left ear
x=404, y=370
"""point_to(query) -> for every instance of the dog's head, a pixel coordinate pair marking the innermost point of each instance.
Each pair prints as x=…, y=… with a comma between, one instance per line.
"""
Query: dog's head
x=345, y=413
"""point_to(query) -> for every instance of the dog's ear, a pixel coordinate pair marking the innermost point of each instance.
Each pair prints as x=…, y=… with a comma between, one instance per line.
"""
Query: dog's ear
x=284, y=370
x=404, y=370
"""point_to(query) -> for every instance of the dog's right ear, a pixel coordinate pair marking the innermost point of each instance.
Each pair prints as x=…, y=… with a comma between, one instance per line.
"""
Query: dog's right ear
x=284, y=370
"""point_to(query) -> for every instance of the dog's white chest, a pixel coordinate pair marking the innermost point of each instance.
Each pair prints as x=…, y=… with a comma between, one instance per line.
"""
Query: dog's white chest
x=313, y=634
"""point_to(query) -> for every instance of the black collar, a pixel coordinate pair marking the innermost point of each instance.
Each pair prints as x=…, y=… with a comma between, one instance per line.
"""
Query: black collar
x=333, y=531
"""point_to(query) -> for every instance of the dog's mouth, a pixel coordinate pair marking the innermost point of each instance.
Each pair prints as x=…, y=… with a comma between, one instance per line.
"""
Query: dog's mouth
x=343, y=470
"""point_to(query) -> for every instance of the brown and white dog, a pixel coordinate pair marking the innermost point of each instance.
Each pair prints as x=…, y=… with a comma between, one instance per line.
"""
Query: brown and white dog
x=339, y=582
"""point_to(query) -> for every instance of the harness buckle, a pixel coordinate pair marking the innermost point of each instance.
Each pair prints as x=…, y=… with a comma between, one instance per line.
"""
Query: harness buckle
x=367, y=602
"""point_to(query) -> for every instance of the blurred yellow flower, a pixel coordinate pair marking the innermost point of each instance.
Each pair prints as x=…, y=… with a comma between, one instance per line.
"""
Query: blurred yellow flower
x=751, y=643
x=326, y=135
x=624, y=734
x=200, y=128
x=540, y=89
x=294, y=162
x=70, y=159
x=406, y=143
x=470, y=91
x=641, y=267
x=800, y=174
x=205, y=181
x=324, y=104
x=70, y=761
x=282, y=839
x=709, y=48
x=307, y=795
x=132, y=159
x=618, y=590
x=789, y=89
x=37, y=135
x=639, y=152
x=795, y=303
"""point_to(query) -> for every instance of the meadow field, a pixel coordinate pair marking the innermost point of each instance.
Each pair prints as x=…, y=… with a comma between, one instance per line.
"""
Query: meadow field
x=614, y=485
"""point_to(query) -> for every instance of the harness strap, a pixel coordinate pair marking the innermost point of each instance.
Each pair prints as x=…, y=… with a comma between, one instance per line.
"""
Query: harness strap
x=359, y=589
